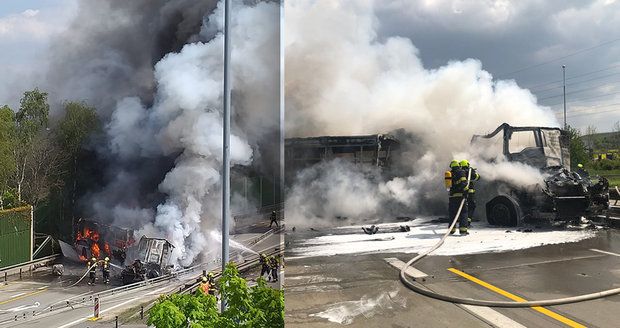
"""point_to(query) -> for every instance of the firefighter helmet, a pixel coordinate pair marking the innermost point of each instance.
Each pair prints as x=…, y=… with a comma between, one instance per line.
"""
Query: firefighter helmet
x=106, y=259
x=464, y=163
x=580, y=166
x=454, y=163
x=93, y=259
x=204, y=279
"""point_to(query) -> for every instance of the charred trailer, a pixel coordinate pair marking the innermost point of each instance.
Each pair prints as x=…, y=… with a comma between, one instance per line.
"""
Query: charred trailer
x=373, y=150
x=94, y=239
x=562, y=196
x=152, y=260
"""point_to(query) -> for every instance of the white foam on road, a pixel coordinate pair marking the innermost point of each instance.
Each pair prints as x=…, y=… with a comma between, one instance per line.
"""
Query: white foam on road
x=424, y=234
x=345, y=312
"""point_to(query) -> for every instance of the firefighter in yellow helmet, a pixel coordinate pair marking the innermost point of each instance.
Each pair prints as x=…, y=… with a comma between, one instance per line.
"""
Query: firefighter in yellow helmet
x=582, y=172
x=105, y=270
x=204, y=285
x=92, y=270
x=457, y=192
x=471, y=191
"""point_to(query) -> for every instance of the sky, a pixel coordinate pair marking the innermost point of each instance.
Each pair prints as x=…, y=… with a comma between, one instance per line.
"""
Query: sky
x=526, y=40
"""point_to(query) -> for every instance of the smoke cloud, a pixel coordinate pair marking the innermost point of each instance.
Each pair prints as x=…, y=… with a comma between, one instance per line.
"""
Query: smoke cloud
x=344, y=78
x=154, y=70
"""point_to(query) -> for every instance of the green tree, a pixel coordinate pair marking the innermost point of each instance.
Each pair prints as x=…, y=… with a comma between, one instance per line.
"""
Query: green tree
x=73, y=132
x=7, y=160
x=31, y=123
x=257, y=307
x=578, y=151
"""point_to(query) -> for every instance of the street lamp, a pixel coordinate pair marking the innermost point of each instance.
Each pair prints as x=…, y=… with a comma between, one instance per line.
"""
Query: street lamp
x=226, y=143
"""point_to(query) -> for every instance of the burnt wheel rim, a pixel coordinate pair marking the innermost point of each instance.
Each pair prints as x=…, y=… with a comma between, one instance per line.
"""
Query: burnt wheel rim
x=501, y=214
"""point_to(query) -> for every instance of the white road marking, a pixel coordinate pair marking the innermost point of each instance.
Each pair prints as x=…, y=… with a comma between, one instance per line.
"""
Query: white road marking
x=20, y=294
x=398, y=264
x=491, y=316
x=43, y=287
x=158, y=290
x=111, y=308
x=604, y=252
x=101, y=312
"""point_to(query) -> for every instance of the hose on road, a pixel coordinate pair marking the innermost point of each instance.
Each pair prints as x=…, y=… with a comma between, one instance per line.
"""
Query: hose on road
x=418, y=288
x=85, y=273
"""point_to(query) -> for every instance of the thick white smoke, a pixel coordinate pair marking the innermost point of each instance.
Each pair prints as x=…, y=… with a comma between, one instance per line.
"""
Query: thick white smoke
x=343, y=78
x=185, y=121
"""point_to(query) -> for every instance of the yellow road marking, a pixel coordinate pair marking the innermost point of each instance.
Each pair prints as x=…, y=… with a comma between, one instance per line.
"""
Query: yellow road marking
x=94, y=318
x=516, y=298
x=22, y=296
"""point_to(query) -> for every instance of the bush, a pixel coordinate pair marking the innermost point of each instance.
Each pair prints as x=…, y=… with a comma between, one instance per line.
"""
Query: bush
x=606, y=164
x=259, y=306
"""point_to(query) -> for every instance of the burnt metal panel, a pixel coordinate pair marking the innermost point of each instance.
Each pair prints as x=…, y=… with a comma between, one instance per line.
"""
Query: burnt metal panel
x=376, y=149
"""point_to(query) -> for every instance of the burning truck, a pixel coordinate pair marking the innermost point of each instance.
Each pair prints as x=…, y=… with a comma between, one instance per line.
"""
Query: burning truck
x=563, y=195
x=94, y=239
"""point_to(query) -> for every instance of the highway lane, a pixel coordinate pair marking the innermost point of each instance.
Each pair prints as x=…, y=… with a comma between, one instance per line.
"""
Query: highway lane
x=56, y=290
x=325, y=291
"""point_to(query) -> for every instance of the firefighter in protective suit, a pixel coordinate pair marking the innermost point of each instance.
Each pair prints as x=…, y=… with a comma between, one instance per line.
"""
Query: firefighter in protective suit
x=457, y=192
x=264, y=265
x=105, y=270
x=92, y=273
x=471, y=192
x=205, y=286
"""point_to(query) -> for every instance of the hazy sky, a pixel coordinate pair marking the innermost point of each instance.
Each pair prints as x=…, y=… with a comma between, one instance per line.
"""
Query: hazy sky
x=506, y=36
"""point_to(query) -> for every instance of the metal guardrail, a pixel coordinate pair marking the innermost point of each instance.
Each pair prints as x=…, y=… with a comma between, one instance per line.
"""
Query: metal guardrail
x=87, y=299
x=30, y=263
x=241, y=267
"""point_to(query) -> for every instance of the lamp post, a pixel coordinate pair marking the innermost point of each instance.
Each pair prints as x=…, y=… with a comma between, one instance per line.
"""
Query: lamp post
x=226, y=142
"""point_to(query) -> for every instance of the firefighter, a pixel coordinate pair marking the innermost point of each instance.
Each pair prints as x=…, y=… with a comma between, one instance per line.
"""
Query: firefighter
x=457, y=193
x=264, y=265
x=471, y=192
x=92, y=267
x=139, y=269
x=274, y=264
x=582, y=172
x=274, y=219
x=211, y=278
x=205, y=286
x=105, y=270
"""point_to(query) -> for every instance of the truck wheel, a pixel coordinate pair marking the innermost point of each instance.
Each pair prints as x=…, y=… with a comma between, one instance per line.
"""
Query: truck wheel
x=501, y=211
x=153, y=274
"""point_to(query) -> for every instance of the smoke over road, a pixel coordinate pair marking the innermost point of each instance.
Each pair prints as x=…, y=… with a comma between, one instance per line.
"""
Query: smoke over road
x=154, y=71
x=344, y=78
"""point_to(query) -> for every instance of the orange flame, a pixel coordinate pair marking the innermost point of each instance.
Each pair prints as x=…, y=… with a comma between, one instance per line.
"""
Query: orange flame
x=93, y=237
x=94, y=250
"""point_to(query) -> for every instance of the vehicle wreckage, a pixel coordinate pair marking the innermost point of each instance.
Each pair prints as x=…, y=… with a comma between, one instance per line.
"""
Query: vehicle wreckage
x=94, y=239
x=563, y=195
x=151, y=260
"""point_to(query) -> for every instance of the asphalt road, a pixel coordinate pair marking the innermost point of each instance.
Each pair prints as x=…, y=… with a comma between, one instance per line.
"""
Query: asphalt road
x=363, y=290
x=39, y=291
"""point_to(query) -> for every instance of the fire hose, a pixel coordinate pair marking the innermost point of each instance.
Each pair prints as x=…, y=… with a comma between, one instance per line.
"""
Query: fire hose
x=85, y=273
x=411, y=284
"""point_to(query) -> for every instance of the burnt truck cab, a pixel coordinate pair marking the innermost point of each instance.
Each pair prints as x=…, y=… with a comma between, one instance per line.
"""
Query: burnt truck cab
x=152, y=259
x=561, y=196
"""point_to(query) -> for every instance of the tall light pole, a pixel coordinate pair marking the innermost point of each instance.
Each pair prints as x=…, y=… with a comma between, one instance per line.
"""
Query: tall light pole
x=226, y=142
x=564, y=92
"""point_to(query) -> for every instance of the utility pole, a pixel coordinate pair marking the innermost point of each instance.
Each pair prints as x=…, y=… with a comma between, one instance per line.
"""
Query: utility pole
x=226, y=142
x=564, y=92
